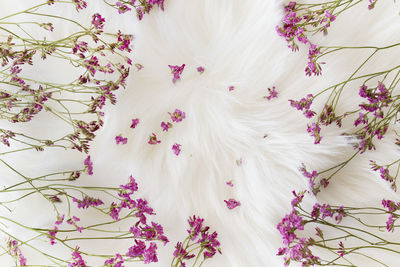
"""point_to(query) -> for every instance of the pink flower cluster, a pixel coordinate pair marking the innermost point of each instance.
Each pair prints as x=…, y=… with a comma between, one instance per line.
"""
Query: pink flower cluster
x=88, y=165
x=121, y=140
x=58, y=222
x=141, y=230
x=272, y=93
x=177, y=115
x=232, y=203
x=199, y=234
x=176, y=148
x=87, y=202
x=294, y=27
x=176, y=71
x=297, y=248
x=384, y=173
x=392, y=207
x=15, y=251
x=77, y=259
x=377, y=98
x=139, y=250
x=304, y=104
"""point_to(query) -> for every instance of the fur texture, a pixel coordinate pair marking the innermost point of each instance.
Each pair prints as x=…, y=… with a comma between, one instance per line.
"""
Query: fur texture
x=237, y=44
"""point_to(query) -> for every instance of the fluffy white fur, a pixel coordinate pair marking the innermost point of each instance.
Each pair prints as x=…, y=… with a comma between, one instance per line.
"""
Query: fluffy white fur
x=237, y=44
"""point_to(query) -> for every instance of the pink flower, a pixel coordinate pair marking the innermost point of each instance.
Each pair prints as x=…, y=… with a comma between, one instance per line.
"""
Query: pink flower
x=200, y=69
x=120, y=139
x=122, y=8
x=177, y=115
x=177, y=71
x=231, y=88
x=89, y=165
x=176, y=148
x=229, y=183
x=135, y=122
x=153, y=139
x=272, y=93
x=314, y=130
x=166, y=126
x=79, y=4
x=232, y=203
x=98, y=21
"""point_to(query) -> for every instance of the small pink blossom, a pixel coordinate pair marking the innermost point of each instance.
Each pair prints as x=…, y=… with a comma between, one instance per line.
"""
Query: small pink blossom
x=176, y=148
x=176, y=71
x=120, y=139
x=177, y=115
x=272, y=93
x=135, y=122
x=231, y=88
x=89, y=165
x=232, y=203
x=139, y=66
x=200, y=69
x=153, y=139
x=98, y=21
x=229, y=183
x=166, y=126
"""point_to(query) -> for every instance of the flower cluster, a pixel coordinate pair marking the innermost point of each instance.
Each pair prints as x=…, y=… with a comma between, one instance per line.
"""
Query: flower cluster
x=176, y=148
x=88, y=165
x=176, y=71
x=16, y=253
x=384, y=173
x=301, y=20
x=87, y=202
x=119, y=139
x=392, y=207
x=77, y=259
x=272, y=93
x=141, y=7
x=177, y=115
x=135, y=123
x=232, y=203
x=207, y=243
x=304, y=105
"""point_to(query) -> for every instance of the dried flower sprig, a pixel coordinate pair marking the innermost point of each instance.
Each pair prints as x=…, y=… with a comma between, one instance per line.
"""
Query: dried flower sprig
x=341, y=231
x=101, y=59
x=199, y=245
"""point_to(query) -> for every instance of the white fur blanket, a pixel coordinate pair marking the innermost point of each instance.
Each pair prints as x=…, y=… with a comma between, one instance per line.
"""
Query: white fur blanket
x=237, y=44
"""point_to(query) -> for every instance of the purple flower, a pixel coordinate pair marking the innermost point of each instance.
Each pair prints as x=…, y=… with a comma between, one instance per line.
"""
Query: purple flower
x=272, y=93
x=150, y=255
x=231, y=88
x=88, y=165
x=60, y=219
x=115, y=262
x=77, y=258
x=200, y=69
x=98, y=21
x=87, y=201
x=229, y=183
x=120, y=139
x=135, y=123
x=166, y=126
x=79, y=4
x=136, y=250
x=153, y=139
x=314, y=130
x=181, y=252
x=232, y=203
x=176, y=148
x=177, y=115
x=122, y=8
x=176, y=71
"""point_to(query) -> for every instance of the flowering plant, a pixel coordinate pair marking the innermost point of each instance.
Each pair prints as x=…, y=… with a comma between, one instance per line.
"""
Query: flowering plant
x=341, y=231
